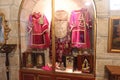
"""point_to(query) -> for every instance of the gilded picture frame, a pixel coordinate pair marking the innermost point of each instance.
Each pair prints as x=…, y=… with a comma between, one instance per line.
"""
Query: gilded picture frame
x=4, y=29
x=114, y=35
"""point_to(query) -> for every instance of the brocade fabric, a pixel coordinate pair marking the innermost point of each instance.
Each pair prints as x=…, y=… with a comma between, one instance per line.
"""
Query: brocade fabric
x=38, y=29
x=79, y=24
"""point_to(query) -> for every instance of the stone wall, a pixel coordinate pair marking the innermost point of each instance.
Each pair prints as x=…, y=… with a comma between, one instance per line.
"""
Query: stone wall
x=11, y=8
x=102, y=56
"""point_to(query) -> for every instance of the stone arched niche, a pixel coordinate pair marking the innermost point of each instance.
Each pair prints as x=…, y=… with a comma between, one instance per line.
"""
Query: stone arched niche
x=29, y=6
x=45, y=7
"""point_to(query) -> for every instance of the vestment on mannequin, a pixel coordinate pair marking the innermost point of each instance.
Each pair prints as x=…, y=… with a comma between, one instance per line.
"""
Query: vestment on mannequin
x=61, y=23
x=38, y=29
x=79, y=25
x=62, y=39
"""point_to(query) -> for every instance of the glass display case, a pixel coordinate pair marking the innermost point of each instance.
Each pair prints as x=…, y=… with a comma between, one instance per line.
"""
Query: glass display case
x=35, y=41
x=74, y=36
x=58, y=42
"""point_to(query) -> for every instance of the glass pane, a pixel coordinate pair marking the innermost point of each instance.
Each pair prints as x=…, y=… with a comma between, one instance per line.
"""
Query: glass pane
x=36, y=41
x=74, y=24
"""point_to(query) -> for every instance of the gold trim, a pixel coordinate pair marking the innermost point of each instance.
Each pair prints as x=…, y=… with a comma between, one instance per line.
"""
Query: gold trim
x=6, y=29
x=110, y=34
x=53, y=33
x=19, y=34
x=40, y=44
x=95, y=36
x=84, y=36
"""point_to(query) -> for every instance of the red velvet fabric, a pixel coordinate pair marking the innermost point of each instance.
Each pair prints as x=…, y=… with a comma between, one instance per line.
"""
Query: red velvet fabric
x=39, y=37
x=79, y=26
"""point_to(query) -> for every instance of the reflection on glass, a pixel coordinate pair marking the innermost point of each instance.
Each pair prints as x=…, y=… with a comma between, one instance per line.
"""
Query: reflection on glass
x=36, y=39
x=73, y=22
x=72, y=30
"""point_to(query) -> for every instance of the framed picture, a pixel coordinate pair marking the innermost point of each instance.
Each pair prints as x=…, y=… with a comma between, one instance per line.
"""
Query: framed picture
x=85, y=63
x=114, y=35
x=40, y=60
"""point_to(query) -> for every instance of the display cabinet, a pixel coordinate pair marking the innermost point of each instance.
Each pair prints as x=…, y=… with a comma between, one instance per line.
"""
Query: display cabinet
x=59, y=41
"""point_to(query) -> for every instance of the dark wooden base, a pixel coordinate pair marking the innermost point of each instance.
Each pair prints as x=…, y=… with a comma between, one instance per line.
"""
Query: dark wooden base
x=113, y=72
x=27, y=74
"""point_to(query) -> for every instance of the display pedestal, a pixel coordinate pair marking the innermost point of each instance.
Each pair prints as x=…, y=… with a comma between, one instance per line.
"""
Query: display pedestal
x=37, y=74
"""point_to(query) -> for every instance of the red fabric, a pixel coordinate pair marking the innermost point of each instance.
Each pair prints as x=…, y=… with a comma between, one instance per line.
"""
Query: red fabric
x=79, y=25
x=39, y=37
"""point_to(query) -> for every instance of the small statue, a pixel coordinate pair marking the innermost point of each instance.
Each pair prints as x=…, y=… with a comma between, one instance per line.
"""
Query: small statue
x=39, y=61
x=85, y=66
x=62, y=66
x=29, y=61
